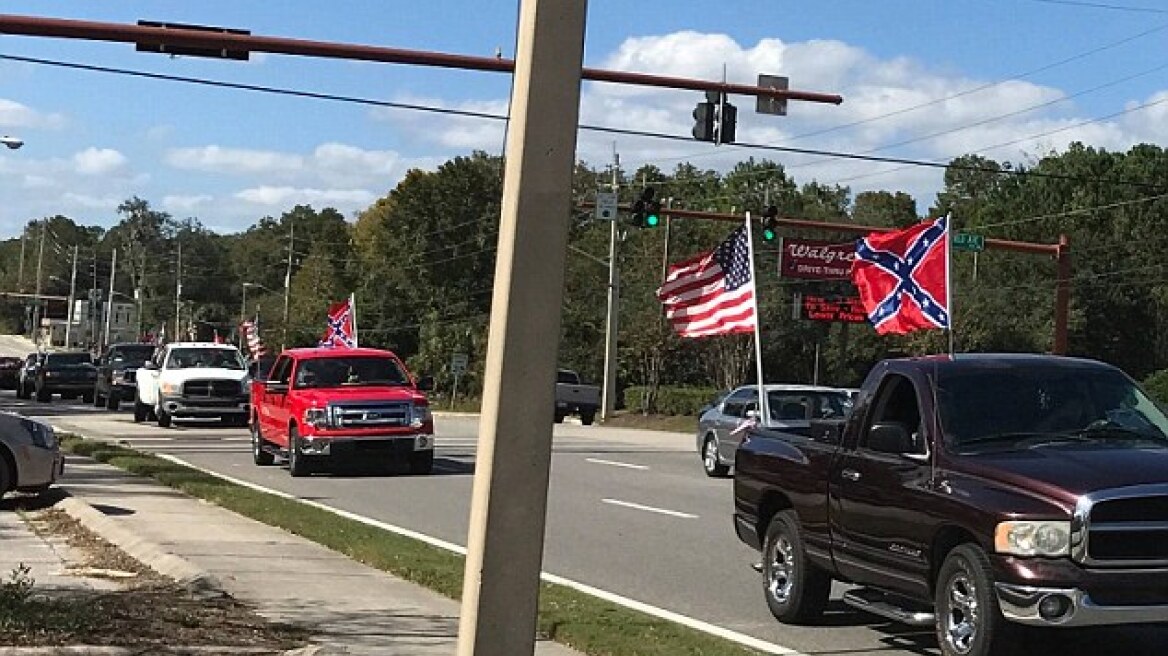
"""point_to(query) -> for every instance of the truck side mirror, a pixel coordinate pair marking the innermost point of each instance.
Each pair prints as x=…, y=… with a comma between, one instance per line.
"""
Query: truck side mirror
x=890, y=438
x=150, y=365
x=425, y=383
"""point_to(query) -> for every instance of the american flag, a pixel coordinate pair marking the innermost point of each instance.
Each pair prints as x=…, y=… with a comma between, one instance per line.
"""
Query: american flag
x=712, y=293
x=251, y=334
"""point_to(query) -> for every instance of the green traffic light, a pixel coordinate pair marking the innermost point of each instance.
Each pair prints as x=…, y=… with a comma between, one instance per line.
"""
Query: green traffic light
x=768, y=234
x=652, y=220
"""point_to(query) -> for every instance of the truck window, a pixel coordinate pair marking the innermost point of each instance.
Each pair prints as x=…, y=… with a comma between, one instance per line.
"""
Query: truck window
x=896, y=402
x=282, y=371
x=567, y=377
x=738, y=403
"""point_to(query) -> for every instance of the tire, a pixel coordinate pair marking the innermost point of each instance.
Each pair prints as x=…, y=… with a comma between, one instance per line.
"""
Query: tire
x=21, y=391
x=969, y=621
x=96, y=399
x=44, y=396
x=259, y=456
x=163, y=418
x=141, y=412
x=91, y=398
x=298, y=466
x=559, y=418
x=587, y=418
x=422, y=462
x=796, y=591
x=710, y=463
x=112, y=402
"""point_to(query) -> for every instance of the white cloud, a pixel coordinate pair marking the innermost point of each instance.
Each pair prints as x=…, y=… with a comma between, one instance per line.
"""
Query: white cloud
x=180, y=203
x=98, y=161
x=285, y=197
x=17, y=115
x=217, y=159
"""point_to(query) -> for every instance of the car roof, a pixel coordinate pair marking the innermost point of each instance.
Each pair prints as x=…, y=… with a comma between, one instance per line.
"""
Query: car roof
x=785, y=387
x=324, y=352
x=203, y=345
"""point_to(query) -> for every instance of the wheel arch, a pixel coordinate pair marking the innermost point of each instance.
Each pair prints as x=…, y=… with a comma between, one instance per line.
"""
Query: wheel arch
x=7, y=459
x=946, y=539
x=770, y=504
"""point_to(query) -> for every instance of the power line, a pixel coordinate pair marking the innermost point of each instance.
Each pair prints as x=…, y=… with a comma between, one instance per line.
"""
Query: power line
x=592, y=128
x=1103, y=5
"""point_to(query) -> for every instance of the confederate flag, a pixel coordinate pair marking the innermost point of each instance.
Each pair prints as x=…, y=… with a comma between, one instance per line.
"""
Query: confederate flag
x=903, y=277
x=340, y=332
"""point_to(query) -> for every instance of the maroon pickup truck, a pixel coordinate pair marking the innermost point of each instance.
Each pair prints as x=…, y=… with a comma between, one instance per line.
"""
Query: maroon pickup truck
x=974, y=494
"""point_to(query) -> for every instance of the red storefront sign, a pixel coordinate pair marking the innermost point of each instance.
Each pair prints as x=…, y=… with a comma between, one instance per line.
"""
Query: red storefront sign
x=816, y=260
x=820, y=308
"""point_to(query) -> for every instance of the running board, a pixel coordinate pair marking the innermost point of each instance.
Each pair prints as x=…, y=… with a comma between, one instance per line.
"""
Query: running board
x=878, y=603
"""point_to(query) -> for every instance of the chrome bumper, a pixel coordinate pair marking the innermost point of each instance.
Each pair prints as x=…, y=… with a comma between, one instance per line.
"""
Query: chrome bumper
x=323, y=445
x=1021, y=604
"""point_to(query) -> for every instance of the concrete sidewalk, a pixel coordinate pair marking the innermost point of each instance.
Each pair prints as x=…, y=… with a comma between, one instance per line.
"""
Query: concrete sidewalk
x=350, y=608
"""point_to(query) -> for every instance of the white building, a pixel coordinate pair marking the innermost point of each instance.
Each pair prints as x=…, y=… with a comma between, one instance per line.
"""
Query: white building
x=88, y=328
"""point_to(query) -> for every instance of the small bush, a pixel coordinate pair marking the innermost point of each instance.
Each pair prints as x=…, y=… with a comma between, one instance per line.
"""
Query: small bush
x=687, y=401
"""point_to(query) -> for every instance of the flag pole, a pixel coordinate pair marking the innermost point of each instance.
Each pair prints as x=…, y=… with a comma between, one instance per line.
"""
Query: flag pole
x=763, y=403
x=353, y=311
x=949, y=279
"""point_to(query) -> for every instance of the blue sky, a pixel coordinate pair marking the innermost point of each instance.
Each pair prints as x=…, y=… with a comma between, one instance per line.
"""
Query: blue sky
x=1033, y=74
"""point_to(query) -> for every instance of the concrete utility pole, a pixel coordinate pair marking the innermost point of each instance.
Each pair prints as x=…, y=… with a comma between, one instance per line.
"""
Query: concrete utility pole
x=72, y=296
x=109, y=306
x=177, y=295
x=288, y=282
x=36, y=303
x=509, y=502
x=608, y=393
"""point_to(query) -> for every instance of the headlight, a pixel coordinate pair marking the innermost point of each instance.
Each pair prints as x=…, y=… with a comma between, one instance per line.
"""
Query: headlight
x=42, y=435
x=316, y=417
x=168, y=388
x=51, y=374
x=1030, y=538
x=421, y=415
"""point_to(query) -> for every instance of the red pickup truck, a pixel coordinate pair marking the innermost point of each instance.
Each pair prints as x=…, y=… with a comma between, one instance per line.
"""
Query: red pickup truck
x=321, y=405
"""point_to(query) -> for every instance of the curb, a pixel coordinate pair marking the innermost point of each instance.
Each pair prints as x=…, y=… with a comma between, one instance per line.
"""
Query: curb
x=190, y=577
x=95, y=650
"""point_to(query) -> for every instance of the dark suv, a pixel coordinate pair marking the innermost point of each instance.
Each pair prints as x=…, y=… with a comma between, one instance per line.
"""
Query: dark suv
x=116, y=371
x=68, y=373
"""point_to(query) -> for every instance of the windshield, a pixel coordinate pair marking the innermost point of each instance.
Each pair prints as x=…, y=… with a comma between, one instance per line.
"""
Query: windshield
x=1017, y=406
x=804, y=406
x=220, y=358
x=357, y=370
x=68, y=359
x=131, y=354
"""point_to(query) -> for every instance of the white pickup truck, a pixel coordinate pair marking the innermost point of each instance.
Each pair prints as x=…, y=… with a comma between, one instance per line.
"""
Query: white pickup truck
x=193, y=380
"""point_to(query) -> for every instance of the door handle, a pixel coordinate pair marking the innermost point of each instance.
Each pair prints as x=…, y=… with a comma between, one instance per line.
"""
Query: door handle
x=850, y=474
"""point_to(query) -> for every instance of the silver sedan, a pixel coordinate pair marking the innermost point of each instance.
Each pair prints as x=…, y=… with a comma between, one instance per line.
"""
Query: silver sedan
x=30, y=456
x=792, y=407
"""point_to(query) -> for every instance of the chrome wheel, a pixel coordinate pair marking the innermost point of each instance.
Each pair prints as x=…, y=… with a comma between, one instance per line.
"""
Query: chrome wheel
x=781, y=573
x=961, y=616
x=711, y=455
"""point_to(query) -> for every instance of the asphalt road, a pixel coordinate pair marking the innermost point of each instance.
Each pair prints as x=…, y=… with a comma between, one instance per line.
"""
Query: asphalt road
x=629, y=512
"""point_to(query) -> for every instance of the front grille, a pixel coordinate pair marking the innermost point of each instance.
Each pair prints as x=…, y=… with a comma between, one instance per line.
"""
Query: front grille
x=212, y=388
x=371, y=415
x=1124, y=527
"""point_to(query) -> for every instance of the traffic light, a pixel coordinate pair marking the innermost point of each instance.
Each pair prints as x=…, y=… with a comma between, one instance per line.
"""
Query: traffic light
x=770, y=223
x=704, y=116
x=646, y=210
x=727, y=121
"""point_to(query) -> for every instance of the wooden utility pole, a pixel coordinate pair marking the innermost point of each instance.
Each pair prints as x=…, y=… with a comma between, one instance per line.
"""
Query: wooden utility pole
x=509, y=502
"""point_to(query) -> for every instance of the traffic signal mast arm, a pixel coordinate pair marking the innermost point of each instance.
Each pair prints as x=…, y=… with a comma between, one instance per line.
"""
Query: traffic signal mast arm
x=227, y=41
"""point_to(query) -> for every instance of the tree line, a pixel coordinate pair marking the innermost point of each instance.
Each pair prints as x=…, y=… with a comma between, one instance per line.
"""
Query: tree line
x=421, y=261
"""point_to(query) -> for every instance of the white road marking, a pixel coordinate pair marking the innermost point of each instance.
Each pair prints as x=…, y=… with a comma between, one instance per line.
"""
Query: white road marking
x=662, y=511
x=614, y=463
x=668, y=615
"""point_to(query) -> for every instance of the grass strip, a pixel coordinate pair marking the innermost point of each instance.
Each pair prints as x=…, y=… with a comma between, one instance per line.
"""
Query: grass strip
x=581, y=621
